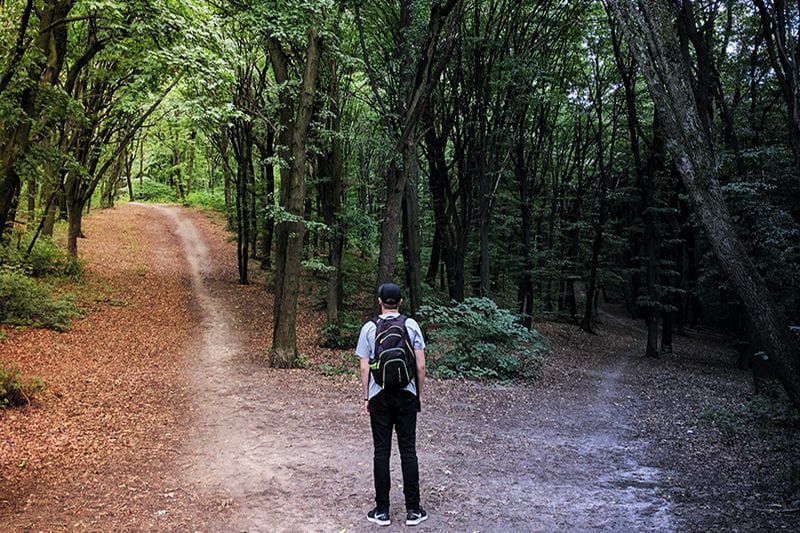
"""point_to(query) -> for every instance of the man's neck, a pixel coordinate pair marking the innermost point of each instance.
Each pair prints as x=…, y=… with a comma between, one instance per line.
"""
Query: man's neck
x=385, y=311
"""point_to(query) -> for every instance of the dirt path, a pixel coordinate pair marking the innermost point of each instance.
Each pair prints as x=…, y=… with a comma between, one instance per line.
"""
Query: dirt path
x=293, y=457
x=164, y=419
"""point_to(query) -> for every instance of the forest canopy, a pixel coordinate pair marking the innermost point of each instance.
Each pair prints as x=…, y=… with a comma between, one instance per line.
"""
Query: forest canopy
x=543, y=154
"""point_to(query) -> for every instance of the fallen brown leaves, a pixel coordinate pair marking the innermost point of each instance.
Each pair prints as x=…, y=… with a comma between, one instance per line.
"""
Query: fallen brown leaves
x=99, y=450
x=91, y=449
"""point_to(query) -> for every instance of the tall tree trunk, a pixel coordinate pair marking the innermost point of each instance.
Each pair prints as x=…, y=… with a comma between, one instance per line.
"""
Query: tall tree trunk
x=392, y=212
x=443, y=213
x=252, y=219
x=74, y=219
x=242, y=141
x=291, y=232
x=650, y=29
x=525, y=289
x=331, y=189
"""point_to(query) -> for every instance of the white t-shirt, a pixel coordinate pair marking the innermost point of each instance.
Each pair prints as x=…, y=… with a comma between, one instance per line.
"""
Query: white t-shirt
x=366, y=347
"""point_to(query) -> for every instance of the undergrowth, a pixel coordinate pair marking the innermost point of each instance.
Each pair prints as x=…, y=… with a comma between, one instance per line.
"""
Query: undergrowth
x=341, y=334
x=25, y=301
x=153, y=191
x=476, y=339
x=204, y=198
x=16, y=390
x=26, y=297
x=156, y=192
x=753, y=419
x=345, y=365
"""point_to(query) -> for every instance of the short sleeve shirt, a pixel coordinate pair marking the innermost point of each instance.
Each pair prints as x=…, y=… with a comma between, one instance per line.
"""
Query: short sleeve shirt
x=366, y=347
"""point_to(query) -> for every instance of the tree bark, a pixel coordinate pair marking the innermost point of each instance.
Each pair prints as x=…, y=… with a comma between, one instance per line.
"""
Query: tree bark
x=443, y=213
x=411, y=244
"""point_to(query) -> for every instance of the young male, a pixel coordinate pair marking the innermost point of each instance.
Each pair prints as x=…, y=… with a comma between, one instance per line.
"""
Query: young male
x=390, y=408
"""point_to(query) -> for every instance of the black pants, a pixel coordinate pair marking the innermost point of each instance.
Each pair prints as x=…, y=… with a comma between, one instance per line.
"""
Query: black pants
x=398, y=410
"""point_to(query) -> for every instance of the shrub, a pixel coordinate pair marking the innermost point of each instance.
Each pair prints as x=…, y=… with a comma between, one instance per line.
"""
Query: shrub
x=46, y=257
x=476, y=339
x=16, y=391
x=341, y=334
x=153, y=191
x=212, y=199
x=26, y=302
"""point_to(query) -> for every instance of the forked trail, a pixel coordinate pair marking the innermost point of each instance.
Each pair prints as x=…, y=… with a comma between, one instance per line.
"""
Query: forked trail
x=291, y=451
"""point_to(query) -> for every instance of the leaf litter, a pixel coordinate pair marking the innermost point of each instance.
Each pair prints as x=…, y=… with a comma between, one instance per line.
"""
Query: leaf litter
x=123, y=440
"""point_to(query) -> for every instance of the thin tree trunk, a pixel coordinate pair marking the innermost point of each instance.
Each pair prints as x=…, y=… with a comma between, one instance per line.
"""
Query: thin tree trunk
x=267, y=151
x=411, y=244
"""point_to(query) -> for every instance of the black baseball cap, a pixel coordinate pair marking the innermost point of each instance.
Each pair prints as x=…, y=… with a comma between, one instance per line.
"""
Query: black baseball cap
x=389, y=293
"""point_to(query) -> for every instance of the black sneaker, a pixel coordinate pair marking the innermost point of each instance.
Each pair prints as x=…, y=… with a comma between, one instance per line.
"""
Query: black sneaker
x=379, y=517
x=416, y=516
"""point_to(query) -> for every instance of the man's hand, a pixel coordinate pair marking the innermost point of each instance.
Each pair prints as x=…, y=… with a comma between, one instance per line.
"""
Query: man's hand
x=366, y=407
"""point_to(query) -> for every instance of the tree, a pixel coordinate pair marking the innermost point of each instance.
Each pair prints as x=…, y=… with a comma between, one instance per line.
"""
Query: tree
x=295, y=117
x=649, y=27
x=401, y=103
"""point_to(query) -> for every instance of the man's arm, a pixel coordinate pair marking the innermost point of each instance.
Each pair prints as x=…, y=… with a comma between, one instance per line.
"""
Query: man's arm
x=365, y=382
x=420, y=356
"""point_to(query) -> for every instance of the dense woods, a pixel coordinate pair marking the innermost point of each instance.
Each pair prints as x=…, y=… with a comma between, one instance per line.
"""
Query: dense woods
x=547, y=155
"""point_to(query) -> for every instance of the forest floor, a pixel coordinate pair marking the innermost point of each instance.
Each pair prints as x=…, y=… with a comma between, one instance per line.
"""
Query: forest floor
x=161, y=416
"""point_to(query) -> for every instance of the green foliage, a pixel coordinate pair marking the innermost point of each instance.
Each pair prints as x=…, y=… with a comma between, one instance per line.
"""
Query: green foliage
x=204, y=198
x=27, y=302
x=46, y=257
x=345, y=365
x=341, y=334
x=476, y=339
x=317, y=266
x=16, y=390
x=153, y=191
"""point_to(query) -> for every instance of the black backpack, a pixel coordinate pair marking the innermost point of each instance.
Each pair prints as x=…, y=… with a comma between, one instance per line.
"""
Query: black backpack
x=393, y=363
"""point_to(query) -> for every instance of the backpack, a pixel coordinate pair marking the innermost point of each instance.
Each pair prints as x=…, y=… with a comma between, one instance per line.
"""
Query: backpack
x=393, y=363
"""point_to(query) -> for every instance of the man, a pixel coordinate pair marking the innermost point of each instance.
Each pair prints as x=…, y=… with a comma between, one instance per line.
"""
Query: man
x=393, y=408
